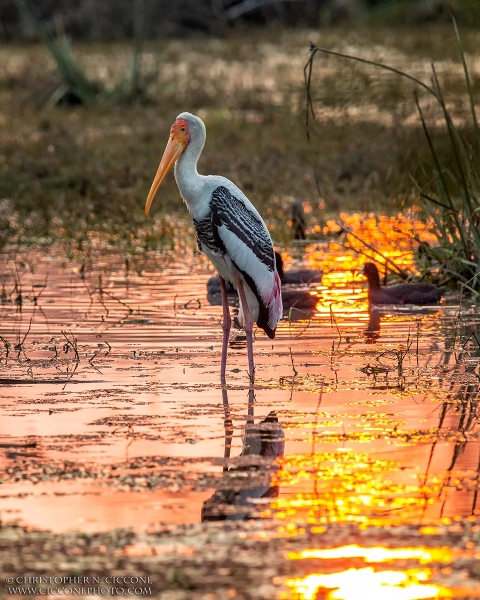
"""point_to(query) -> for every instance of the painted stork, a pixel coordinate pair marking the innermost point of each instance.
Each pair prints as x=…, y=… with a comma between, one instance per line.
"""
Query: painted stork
x=229, y=231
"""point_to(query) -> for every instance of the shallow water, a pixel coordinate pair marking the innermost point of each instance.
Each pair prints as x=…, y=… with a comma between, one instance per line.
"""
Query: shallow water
x=113, y=414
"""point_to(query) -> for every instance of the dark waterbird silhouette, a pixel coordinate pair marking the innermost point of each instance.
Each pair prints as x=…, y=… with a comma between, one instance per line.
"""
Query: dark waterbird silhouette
x=302, y=300
x=299, y=222
x=297, y=276
x=404, y=293
x=299, y=299
x=290, y=277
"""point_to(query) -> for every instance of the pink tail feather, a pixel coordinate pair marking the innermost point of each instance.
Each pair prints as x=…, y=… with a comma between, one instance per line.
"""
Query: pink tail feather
x=274, y=302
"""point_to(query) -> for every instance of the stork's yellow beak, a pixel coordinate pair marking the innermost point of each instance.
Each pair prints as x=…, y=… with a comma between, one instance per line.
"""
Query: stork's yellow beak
x=173, y=150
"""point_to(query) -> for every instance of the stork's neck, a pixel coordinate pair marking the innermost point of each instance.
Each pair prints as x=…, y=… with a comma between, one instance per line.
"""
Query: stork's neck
x=189, y=182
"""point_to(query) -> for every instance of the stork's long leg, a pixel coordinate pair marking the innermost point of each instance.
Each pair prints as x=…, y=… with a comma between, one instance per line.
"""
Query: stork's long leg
x=248, y=326
x=226, y=325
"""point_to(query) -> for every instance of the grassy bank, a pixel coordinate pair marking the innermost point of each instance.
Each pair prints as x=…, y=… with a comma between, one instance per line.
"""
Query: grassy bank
x=65, y=171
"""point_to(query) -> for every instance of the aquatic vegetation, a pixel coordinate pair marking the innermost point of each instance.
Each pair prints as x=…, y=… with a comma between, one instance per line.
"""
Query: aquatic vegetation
x=453, y=205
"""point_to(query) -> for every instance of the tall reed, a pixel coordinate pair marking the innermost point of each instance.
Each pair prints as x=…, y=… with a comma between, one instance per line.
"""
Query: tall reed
x=453, y=206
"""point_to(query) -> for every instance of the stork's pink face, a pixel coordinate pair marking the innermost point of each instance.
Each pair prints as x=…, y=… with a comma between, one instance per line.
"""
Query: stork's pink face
x=179, y=131
x=179, y=140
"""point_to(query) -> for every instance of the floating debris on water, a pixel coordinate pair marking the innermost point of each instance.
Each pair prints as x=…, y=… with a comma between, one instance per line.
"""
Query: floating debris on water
x=378, y=414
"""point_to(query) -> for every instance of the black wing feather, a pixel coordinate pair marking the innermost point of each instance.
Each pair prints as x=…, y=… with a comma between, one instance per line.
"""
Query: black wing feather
x=227, y=210
x=230, y=212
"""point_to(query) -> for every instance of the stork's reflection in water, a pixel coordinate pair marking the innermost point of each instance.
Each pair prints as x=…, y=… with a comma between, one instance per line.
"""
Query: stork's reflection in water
x=250, y=480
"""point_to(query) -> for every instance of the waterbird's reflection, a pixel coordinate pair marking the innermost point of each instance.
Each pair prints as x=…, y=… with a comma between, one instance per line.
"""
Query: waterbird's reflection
x=372, y=332
x=375, y=314
x=263, y=443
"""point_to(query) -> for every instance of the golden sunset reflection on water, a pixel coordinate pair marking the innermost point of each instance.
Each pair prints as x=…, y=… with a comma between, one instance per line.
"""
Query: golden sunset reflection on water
x=392, y=240
x=350, y=487
x=377, y=423
x=357, y=584
x=376, y=553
